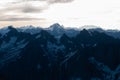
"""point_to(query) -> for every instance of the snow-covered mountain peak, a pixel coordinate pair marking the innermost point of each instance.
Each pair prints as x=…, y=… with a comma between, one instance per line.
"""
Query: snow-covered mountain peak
x=89, y=27
x=59, y=54
x=56, y=26
x=96, y=29
x=29, y=29
x=56, y=30
x=11, y=27
x=5, y=30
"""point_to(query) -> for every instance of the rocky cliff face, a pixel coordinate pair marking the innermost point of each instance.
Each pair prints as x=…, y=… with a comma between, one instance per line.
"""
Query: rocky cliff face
x=53, y=54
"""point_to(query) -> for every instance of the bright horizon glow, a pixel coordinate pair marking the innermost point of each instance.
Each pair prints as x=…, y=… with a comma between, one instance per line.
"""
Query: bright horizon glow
x=103, y=13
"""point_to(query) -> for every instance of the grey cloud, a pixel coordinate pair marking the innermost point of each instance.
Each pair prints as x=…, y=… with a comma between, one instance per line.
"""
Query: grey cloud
x=22, y=6
x=51, y=1
x=17, y=18
x=19, y=11
x=59, y=1
x=25, y=8
x=30, y=10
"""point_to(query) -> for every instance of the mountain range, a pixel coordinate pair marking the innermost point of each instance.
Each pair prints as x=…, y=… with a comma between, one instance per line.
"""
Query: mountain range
x=58, y=53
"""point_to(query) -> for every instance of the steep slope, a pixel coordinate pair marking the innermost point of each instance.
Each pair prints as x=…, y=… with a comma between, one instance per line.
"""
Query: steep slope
x=87, y=55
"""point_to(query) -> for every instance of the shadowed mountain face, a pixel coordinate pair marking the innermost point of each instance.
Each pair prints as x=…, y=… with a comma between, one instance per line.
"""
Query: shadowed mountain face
x=53, y=54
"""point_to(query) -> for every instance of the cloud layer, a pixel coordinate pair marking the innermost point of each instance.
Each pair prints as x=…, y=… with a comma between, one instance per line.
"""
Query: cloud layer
x=18, y=8
x=59, y=1
x=50, y=1
x=17, y=18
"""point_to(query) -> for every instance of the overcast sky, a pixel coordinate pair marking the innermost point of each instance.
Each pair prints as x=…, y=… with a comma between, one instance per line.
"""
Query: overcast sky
x=70, y=13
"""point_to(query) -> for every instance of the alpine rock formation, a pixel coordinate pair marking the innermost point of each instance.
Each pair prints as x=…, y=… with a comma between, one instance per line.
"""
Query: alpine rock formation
x=58, y=53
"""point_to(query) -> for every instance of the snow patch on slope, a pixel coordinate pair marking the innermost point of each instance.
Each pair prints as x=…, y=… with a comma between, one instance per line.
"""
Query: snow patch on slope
x=29, y=29
x=10, y=50
x=55, y=48
x=3, y=31
x=38, y=36
x=106, y=72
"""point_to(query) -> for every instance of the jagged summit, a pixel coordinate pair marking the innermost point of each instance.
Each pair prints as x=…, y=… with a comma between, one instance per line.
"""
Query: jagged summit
x=55, y=55
x=89, y=27
x=11, y=28
x=96, y=29
x=58, y=30
x=55, y=27
x=5, y=30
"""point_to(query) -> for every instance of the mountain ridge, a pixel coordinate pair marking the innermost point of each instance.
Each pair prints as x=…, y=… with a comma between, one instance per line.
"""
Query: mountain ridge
x=57, y=30
x=88, y=54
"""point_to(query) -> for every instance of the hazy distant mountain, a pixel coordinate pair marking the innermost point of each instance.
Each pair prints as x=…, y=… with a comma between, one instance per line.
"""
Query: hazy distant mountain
x=57, y=53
